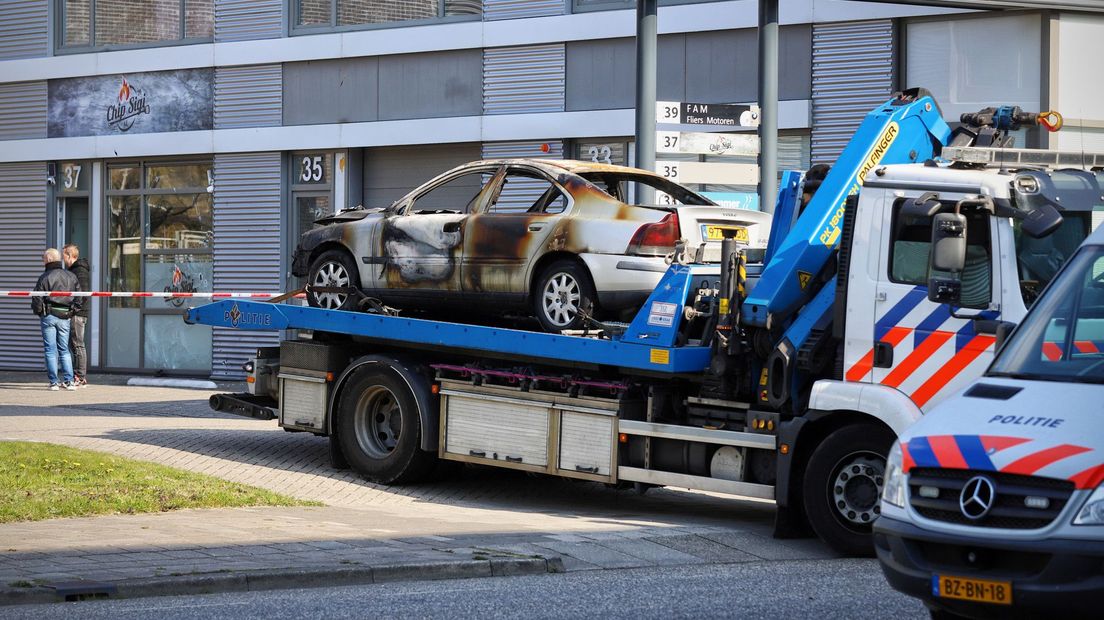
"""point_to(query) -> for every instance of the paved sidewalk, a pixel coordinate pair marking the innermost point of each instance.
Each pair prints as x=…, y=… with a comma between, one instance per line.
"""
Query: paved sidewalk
x=479, y=523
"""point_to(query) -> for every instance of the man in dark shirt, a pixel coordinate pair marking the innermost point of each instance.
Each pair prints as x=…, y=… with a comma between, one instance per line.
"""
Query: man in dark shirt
x=70, y=255
x=54, y=315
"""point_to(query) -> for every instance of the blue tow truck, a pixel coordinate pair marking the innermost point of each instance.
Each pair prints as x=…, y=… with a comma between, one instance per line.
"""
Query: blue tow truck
x=786, y=380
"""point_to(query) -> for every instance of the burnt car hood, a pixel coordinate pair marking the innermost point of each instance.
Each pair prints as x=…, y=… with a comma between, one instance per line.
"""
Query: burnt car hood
x=348, y=215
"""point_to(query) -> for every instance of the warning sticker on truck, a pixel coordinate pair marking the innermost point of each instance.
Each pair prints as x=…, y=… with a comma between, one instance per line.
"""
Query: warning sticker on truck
x=659, y=356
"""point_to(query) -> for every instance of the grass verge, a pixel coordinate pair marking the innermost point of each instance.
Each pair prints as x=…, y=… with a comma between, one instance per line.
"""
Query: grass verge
x=47, y=481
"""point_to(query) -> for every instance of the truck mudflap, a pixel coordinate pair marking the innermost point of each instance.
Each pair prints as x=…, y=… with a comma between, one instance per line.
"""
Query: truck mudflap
x=247, y=405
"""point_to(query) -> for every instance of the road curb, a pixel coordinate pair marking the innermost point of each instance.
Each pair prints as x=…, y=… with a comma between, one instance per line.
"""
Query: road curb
x=283, y=579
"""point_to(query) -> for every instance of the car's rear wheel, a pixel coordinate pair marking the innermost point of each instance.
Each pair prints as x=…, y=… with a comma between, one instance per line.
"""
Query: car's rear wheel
x=333, y=269
x=563, y=292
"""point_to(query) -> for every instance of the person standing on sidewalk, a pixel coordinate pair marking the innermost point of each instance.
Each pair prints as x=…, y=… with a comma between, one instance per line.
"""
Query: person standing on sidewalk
x=54, y=315
x=70, y=255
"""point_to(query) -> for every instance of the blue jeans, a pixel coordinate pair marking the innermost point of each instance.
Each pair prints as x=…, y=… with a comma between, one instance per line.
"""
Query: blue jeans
x=55, y=341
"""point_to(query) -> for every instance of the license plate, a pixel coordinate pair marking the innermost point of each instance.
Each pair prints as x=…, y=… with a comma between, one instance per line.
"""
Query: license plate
x=716, y=233
x=977, y=590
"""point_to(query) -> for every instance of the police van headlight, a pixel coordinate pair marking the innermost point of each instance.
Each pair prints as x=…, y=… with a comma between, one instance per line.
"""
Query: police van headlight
x=894, y=490
x=1092, y=511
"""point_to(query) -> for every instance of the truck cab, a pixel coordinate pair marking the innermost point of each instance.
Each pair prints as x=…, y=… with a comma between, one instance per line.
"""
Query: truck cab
x=897, y=333
x=994, y=498
x=911, y=329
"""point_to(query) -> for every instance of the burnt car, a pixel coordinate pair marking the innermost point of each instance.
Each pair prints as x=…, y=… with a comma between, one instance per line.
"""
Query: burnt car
x=553, y=238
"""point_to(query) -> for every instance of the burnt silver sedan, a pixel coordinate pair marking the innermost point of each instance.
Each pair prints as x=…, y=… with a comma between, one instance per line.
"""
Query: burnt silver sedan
x=553, y=238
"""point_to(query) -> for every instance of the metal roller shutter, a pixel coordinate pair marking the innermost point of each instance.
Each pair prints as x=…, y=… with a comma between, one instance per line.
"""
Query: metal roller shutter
x=22, y=110
x=250, y=96
x=391, y=172
x=24, y=28
x=853, y=72
x=519, y=194
x=23, y=220
x=247, y=247
x=242, y=20
x=518, y=80
x=513, y=9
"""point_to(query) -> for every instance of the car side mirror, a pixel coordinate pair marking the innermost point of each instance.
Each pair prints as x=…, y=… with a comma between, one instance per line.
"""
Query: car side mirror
x=1003, y=330
x=1042, y=221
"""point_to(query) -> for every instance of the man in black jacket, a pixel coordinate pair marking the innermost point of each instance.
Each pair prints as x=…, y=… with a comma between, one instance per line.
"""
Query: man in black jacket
x=79, y=267
x=54, y=313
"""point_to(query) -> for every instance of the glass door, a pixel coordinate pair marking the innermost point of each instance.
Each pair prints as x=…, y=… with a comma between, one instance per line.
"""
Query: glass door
x=159, y=229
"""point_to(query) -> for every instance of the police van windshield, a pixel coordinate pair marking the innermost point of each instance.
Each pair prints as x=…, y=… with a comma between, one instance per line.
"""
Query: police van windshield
x=1062, y=338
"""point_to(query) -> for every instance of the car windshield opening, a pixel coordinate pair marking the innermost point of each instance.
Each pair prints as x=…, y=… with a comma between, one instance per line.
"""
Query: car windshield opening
x=1062, y=338
x=626, y=187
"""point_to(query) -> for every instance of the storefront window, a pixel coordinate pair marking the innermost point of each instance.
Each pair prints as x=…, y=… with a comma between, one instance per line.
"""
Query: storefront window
x=118, y=23
x=159, y=239
x=311, y=14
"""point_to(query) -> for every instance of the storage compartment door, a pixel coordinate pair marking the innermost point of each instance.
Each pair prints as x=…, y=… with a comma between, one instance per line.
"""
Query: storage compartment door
x=586, y=443
x=507, y=431
x=302, y=403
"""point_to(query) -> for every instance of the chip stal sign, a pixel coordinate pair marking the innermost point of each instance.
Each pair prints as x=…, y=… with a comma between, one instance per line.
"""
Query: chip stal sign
x=157, y=101
x=132, y=102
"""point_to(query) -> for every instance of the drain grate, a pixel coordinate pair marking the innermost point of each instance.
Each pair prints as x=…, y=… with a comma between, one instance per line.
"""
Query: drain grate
x=83, y=590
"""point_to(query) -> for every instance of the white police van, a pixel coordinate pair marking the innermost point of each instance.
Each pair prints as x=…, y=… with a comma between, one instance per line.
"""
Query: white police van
x=993, y=504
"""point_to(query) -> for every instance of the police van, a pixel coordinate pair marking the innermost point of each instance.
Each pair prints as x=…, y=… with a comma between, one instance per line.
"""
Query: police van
x=993, y=504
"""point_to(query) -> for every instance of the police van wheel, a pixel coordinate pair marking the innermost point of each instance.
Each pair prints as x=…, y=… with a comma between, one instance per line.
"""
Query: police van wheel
x=843, y=487
x=379, y=429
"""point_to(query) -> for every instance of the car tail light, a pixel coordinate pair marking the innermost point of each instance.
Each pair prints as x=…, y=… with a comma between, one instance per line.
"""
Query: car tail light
x=656, y=239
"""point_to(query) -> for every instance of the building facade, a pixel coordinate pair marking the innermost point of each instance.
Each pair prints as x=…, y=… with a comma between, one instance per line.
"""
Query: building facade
x=185, y=144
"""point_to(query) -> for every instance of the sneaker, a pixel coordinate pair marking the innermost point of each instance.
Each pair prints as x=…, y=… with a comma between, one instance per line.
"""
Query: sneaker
x=80, y=382
x=53, y=387
x=70, y=387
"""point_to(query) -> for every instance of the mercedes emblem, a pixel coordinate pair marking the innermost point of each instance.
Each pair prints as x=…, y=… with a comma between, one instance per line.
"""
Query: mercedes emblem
x=977, y=497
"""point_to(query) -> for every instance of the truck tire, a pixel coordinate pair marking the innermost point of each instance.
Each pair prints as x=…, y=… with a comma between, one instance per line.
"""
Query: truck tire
x=843, y=486
x=379, y=429
x=562, y=292
x=333, y=268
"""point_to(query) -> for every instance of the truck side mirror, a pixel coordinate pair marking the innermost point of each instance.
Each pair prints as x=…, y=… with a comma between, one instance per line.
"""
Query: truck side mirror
x=1042, y=221
x=948, y=246
x=944, y=290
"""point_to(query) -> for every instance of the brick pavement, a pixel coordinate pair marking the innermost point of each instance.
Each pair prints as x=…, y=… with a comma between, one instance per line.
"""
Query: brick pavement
x=478, y=513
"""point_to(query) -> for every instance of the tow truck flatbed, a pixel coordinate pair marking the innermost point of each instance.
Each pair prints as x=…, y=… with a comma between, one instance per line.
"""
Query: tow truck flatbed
x=647, y=345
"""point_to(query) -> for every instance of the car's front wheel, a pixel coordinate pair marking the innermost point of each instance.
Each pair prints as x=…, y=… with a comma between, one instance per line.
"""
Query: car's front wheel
x=334, y=269
x=563, y=292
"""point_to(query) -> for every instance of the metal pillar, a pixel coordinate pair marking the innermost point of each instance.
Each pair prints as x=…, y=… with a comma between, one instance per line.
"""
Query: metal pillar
x=768, y=104
x=646, y=44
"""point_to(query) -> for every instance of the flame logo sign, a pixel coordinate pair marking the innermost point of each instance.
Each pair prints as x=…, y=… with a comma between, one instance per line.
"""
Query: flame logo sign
x=131, y=104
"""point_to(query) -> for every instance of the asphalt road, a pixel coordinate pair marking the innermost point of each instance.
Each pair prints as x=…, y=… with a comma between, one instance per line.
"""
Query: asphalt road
x=795, y=589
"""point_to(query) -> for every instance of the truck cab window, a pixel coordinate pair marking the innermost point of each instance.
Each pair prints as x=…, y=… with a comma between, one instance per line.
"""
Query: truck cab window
x=1038, y=260
x=910, y=247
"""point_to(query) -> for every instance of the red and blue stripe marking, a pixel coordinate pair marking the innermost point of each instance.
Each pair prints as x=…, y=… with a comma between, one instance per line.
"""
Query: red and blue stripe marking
x=975, y=452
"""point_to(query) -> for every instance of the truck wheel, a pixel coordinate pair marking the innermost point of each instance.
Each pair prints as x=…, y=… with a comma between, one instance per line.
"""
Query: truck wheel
x=843, y=487
x=563, y=290
x=333, y=268
x=379, y=428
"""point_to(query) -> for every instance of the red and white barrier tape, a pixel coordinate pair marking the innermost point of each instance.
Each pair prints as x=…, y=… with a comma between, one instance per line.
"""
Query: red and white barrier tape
x=141, y=294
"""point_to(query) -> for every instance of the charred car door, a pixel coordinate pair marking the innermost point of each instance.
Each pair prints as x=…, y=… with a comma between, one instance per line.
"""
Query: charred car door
x=421, y=243
x=509, y=233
